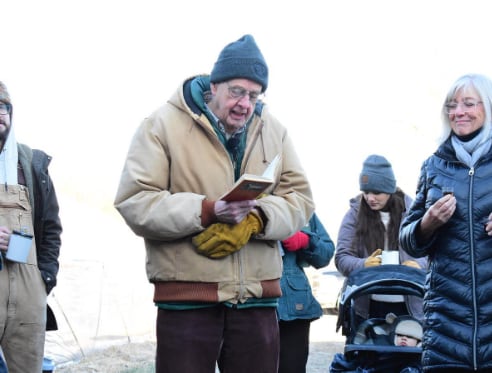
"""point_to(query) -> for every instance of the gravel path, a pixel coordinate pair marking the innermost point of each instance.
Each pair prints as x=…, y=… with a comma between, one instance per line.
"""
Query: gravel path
x=325, y=342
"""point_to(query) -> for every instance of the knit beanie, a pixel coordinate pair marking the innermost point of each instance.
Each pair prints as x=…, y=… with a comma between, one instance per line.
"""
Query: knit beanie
x=241, y=59
x=377, y=175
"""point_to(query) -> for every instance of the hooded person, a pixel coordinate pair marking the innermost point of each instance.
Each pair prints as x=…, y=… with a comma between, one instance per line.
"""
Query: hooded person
x=8, y=152
x=28, y=209
x=215, y=265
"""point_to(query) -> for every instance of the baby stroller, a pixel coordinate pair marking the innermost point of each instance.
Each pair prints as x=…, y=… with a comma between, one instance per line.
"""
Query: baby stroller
x=369, y=346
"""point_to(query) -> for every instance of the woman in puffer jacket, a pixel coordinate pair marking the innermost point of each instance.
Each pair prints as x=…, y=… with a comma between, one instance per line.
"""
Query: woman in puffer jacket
x=455, y=230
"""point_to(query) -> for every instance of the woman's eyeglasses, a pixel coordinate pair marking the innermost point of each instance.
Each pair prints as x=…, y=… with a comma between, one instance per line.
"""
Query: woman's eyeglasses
x=466, y=106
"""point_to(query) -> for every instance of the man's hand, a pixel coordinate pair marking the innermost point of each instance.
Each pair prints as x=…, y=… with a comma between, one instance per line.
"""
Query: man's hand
x=374, y=259
x=4, y=238
x=221, y=239
x=233, y=212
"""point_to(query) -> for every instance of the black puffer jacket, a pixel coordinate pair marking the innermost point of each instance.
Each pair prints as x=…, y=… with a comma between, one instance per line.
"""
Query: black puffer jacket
x=46, y=221
x=458, y=300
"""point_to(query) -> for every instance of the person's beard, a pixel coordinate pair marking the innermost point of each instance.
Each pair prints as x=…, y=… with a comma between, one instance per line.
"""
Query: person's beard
x=4, y=131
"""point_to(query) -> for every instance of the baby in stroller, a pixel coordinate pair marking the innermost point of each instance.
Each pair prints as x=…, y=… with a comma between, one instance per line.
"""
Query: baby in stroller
x=390, y=344
x=405, y=331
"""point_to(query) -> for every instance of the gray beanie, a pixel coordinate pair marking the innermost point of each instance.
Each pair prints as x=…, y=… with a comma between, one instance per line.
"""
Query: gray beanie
x=241, y=59
x=377, y=175
x=404, y=325
x=408, y=326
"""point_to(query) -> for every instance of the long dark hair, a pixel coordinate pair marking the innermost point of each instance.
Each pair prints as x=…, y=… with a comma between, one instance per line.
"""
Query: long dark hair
x=369, y=227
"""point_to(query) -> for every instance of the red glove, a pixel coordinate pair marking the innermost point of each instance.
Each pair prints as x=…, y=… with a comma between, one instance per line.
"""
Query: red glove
x=299, y=240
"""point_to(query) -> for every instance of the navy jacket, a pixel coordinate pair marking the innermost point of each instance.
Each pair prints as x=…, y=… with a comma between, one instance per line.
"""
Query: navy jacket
x=458, y=299
x=297, y=300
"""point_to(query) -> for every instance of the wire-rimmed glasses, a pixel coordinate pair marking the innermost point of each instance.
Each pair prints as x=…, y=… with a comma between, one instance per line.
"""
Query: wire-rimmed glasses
x=239, y=92
x=466, y=106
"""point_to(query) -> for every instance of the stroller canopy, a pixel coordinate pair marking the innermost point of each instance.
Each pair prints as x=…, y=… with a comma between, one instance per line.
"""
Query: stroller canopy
x=386, y=279
x=369, y=346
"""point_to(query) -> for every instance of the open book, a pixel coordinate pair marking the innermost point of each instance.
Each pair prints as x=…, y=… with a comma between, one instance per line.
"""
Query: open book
x=250, y=186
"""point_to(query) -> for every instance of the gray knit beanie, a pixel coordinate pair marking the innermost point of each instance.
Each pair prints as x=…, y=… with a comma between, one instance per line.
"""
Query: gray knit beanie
x=241, y=59
x=404, y=325
x=377, y=175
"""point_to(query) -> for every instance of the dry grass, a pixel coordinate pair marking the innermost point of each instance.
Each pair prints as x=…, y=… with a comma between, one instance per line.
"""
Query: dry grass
x=139, y=357
x=131, y=357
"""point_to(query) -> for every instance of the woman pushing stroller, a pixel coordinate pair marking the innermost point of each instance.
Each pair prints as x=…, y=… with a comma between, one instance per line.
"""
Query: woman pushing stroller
x=371, y=226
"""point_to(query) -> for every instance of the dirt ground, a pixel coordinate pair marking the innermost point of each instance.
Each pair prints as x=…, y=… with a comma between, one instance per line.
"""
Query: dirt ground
x=139, y=357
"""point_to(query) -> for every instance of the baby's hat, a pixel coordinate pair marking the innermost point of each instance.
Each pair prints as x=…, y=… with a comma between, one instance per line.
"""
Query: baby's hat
x=405, y=325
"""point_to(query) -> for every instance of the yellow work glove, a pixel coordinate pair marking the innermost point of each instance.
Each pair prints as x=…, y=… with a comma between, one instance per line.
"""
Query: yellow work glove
x=411, y=263
x=222, y=239
x=374, y=259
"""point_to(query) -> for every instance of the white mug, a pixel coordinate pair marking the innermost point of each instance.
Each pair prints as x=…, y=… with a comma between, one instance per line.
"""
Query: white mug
x=19, y=247
x=390, y=257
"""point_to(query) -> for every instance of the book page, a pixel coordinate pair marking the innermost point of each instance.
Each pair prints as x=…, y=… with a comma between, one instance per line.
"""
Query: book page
x=269, y=173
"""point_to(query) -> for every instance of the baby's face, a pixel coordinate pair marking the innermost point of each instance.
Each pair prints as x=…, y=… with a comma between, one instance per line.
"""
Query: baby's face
x=405, y=340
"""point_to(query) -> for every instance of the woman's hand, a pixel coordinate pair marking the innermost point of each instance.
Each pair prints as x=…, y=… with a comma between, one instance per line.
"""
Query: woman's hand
x=437, y=215
x=374, y=259
x=411, y=263
x=488, y=225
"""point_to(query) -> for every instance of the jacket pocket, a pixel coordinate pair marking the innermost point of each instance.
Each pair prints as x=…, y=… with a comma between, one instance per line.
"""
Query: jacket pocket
x=299, y=298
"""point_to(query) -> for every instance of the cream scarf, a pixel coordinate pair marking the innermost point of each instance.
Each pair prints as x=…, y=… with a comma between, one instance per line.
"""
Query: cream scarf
x=8, y=160
x=469, y=152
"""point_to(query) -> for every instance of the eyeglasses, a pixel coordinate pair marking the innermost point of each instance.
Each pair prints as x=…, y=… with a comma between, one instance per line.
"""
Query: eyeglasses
x=240, y=92
x=4, y=109
x=466, y=106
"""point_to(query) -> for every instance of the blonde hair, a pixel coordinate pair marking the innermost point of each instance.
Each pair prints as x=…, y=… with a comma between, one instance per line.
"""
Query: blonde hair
x=482, y=85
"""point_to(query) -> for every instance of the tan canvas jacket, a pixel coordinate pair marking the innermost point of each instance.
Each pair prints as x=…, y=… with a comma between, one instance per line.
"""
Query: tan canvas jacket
x=175, y=161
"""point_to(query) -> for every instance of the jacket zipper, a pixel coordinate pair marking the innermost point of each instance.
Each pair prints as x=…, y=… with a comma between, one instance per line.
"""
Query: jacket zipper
x=472, y=256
